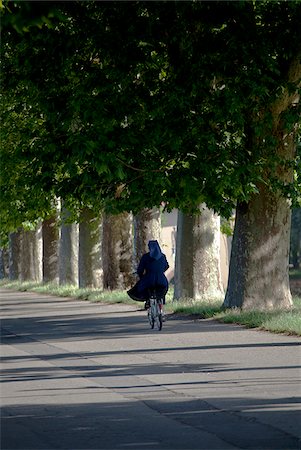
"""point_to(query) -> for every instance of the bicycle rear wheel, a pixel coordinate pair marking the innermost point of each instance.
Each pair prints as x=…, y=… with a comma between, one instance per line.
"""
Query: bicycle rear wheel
x=154, y=314
x=158, y=318
x=151, y=318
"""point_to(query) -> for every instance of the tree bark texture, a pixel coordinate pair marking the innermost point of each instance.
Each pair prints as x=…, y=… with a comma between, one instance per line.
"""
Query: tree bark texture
x=68, y=252
x=295, y=243
x=89, y=254
x=147, y=226
x=4, y=263
x=197, y=264
x=31, y=255
x=51, y=239
x=14, y=256
x=258, y=274
x=117, y=251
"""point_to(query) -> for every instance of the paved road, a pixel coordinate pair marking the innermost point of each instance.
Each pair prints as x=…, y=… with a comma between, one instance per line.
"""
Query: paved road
x=77, y=375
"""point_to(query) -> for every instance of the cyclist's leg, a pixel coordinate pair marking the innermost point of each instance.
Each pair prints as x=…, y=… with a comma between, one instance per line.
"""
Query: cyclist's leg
x=163, y=294
x=147, y=302
x=161, y=291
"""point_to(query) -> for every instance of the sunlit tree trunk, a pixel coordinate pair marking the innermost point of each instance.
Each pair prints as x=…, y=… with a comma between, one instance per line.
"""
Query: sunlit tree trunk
x=117, y=251
x=51, y=237
x=68, y=252
x=90, y=255
x=15, y=245
x=147, y=226
x=197, y=264
x=258, y=275
x=31, y=255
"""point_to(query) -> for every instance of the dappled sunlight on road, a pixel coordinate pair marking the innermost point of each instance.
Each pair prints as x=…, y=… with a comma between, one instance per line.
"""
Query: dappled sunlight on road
x=81, y=375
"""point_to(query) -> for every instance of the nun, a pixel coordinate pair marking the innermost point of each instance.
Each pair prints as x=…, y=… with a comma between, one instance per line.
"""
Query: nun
x=151, y=274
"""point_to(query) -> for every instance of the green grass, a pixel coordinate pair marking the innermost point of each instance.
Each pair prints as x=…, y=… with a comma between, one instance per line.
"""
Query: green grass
x=203, y=310
x=288, y=322
x=92, y=295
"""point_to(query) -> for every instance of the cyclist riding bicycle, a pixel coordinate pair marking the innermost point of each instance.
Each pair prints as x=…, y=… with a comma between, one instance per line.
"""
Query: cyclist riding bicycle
x=151, y=270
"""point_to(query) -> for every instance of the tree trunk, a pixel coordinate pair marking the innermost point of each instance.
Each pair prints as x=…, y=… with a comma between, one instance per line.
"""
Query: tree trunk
x=295, y=242
x=51, y=236
x=68, y=252
x=117, y=251
x=31, y=255
x=3, y=263
x=197, y=264
x=15, y=245
x=89, y=253
x=147, y=226
x=258, y=275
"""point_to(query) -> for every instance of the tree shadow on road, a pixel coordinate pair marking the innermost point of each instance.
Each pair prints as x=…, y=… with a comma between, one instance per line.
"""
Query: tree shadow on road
x=160, y=423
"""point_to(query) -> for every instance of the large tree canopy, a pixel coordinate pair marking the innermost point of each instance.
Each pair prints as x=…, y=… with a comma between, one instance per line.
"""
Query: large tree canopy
x=147, y=102
x=159, y=101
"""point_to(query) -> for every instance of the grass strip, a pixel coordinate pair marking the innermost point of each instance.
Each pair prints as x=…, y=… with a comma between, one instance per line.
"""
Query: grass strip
x=288, y=322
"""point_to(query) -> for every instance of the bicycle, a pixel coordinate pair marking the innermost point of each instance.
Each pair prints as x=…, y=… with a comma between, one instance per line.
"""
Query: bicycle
x=154, y=312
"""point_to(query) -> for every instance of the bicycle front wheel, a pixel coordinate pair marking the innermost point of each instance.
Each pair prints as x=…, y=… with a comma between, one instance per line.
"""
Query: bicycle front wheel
x=150, y=318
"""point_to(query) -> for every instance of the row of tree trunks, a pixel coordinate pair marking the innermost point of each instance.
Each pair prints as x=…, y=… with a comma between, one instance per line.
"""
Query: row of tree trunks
x=260, y=252
x=86, y=260
x=73, y=254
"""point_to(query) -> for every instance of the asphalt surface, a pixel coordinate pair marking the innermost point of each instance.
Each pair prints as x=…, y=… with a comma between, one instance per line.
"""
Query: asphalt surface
x=78, y=375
